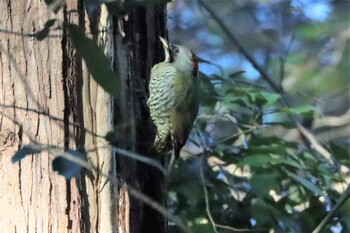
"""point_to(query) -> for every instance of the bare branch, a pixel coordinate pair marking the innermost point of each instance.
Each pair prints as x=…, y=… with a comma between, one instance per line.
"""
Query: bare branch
x=57, y=119
x=52, y=149
x=207, y=207
x=345, y=196
x=59, y=36
x=207, y=204
x=333, y=121
x=314, y=144
x=241, y=49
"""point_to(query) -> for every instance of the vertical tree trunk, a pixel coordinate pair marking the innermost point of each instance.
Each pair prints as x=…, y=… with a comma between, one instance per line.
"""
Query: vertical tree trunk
x=33, y=198
x=138, y=49
x=48, y=96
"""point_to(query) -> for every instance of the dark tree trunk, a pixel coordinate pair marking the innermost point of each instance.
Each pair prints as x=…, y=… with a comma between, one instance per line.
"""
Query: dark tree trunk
x=47, y=95
x=142, y=30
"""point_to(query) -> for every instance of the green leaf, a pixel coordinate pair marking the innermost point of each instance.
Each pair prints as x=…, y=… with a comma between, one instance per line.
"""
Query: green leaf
x=248, y=96
x=207, y=92
x=66, y=167
x=285, y=124
x=263, y=212
x=305, y=111
x=26, y=150
x=50, y=23
x=256, y=98
x=95, y=59
x=288, y=161
x=271, y=98
x=43, y=33
x=263, y=98
x=315, y=30
x=262, y=183
x=236, y=74
x=56, y=6
x=256, y=160
x=307, y=184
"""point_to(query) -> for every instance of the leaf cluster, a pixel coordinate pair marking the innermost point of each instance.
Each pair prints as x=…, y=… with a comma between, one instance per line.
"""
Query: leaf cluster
x=255, y=178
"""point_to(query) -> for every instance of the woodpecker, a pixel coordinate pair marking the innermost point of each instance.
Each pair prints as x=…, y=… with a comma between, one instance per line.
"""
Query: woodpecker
x=173, y=100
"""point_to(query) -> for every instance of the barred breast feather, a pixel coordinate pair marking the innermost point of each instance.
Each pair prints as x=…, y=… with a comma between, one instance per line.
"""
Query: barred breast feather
x=161, y=101
x=173, y=104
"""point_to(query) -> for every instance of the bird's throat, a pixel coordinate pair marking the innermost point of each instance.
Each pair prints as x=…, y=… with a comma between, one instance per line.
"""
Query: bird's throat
x=195, y=64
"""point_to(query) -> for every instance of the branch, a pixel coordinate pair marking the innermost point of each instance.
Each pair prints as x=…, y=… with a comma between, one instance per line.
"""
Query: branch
x=206, y=197
x=314, y=144
x=134, y=192
x=330, y=215
x=59, y=36
x=312, y=140
x=52, y=149
x=83, y=163
x=241, y=49
x=51, y=118
x=333, y=121
x=207, y=207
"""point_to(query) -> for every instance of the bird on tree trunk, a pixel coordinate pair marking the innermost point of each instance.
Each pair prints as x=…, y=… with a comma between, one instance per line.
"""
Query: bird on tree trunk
x=173, y=100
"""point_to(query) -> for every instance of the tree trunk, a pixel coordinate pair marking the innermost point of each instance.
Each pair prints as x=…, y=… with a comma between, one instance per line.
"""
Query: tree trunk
x=48, y=96
x=138, y=49
x=34, y=199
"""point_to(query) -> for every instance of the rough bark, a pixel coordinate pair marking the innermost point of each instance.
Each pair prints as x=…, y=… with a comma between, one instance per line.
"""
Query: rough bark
x=40, y=83
x=48, y=95
x=34, y=199
x=138, y=48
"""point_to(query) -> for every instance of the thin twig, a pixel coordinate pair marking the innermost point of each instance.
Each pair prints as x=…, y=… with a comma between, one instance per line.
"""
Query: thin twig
x=35, y=34
x=156, y=206
x=240, y=230
x=135, y=193
x=146, y=160
x=206, y=197
x=319, y=148
x=228, y=138
x=345, y=196
x=83, y=163
x=51, y=118
x=283, y=56
x=52, y=149
x=240, y=47
x=314, y=144
x=143, y=159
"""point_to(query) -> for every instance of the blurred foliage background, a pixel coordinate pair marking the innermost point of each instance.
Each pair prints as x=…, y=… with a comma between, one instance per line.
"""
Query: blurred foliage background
x=270, y=148
x=264, y=158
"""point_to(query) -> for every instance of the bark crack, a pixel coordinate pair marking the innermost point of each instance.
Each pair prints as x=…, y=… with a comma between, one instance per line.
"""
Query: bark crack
x=2, y=85
x=9, y=10
x=20, y=140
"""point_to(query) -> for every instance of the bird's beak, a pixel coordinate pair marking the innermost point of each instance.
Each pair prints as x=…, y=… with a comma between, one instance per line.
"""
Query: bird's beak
x=164, y=42
x=166, y=48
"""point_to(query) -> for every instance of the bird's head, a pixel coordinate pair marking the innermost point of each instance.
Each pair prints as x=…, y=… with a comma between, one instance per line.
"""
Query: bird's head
x=181, y=57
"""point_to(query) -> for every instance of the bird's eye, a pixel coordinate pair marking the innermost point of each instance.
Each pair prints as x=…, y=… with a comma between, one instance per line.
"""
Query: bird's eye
x=176, y=50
